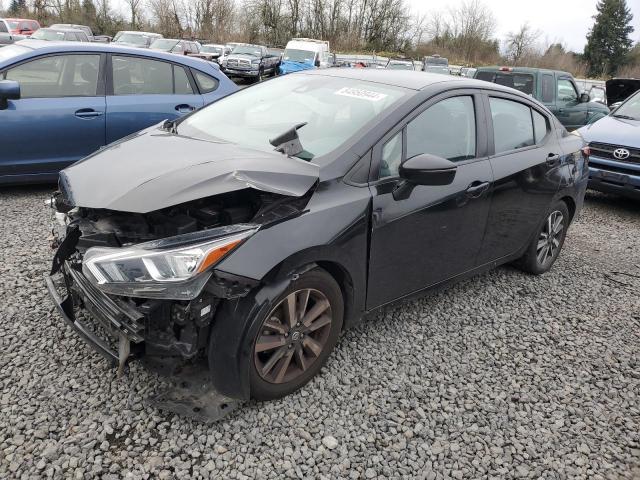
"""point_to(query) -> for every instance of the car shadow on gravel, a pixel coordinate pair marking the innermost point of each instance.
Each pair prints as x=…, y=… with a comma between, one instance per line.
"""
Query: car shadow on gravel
x=621, y=204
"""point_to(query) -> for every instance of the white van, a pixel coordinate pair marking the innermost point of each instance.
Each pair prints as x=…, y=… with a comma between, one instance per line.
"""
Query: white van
x=305, y=54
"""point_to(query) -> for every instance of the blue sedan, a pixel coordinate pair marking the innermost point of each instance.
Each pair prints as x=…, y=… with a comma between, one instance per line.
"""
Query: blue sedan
x=59, y=102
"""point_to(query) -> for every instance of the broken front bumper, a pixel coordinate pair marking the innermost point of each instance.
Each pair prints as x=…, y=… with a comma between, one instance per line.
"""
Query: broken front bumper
x=70, y=288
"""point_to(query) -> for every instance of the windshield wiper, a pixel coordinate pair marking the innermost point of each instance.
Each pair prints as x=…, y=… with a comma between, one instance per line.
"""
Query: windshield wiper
x=624, y=117
x=289, y=142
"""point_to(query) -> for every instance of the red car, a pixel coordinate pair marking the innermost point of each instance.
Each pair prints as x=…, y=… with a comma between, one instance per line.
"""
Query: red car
x=21, y=26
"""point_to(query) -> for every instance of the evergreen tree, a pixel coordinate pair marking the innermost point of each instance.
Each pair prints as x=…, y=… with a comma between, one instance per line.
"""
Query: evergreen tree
x=608, y=41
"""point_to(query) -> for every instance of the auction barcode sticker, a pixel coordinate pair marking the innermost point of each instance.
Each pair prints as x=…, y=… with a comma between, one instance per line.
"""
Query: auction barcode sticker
x=360, y=93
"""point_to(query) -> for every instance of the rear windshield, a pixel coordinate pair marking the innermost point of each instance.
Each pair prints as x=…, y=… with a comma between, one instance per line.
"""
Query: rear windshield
x=437, y=61
x=519, y=81
x=133, y=38
x=46, y=34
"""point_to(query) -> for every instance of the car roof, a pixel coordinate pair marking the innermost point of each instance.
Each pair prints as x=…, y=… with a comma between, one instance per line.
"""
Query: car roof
x=412, y=79
x=496, y=68
x=47, y=47
x=63, y=29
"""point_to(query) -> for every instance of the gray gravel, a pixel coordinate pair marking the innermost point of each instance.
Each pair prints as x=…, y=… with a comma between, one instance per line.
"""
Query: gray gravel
x=503, y=376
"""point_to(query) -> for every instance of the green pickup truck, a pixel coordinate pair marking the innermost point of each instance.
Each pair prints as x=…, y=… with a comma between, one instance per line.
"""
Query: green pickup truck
x=557, y=90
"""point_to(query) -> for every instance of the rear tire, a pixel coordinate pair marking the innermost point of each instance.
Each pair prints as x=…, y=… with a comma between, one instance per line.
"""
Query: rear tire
x=297, y=336
x=546, y=245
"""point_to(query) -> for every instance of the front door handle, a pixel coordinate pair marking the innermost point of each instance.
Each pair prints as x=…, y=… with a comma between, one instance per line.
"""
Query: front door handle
x=184, y=108
x=477, y=188
x=553, y=160
x=87, y=113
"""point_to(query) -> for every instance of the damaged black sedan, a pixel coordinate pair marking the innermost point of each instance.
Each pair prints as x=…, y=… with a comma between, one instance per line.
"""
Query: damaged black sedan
x=242, y=239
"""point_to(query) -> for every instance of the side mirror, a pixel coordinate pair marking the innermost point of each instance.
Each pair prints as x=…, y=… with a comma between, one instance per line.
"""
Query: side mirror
x=9, y=90
x=584, y=97
x=424, y=169
x=317, y=62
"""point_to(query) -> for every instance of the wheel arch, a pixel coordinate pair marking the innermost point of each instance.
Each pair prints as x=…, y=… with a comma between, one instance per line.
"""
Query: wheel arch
x=571, y=206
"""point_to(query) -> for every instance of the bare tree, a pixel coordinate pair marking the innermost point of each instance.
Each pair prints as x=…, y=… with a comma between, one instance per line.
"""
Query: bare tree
x=521, y=44
x=134, y=8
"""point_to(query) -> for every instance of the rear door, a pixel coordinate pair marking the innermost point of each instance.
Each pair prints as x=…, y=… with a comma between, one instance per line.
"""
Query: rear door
x=526, y=164
x=435, y=233
x=60, y=116
x=145, y=91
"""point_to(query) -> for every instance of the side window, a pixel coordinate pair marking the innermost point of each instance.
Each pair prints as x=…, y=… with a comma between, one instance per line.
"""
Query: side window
x=547, y=88
x=183, y=86
x=446, y=129
x=391, y=157
x=540, y=126
x=58, y=76
x=206, y=84
x=3, y=27
x=141, y=76
x=512, y=125
x=566, y=91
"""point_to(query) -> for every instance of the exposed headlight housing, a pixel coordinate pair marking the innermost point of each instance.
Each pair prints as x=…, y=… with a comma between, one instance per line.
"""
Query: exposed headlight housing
x=175, y=268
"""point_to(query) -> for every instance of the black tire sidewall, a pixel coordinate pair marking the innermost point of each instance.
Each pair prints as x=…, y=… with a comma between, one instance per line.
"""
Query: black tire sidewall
x=322, y=281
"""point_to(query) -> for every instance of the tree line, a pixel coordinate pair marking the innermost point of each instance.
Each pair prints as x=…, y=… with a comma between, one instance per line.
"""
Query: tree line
x=465, y=33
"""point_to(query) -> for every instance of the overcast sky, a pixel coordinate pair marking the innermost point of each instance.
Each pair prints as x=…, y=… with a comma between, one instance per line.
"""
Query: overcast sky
x=567, y=21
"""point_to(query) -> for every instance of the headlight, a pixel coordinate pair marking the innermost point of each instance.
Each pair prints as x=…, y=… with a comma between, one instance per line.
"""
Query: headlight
x=175, y=268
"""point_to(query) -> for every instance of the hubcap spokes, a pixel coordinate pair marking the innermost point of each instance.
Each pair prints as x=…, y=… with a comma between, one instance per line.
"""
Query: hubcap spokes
x=549, y=239
x=293, y=336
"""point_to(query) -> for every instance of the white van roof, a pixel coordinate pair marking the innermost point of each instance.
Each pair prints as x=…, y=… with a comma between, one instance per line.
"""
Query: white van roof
x=310, y=44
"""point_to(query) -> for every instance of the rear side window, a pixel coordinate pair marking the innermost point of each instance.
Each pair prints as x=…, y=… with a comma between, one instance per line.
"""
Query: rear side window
x=57, y=76
x=206, y=83
x=547, y=88
x=182, y=84
x=141, y=76
x=540, y=126
x=512, y=125
x=486, y=76
x=3, y=27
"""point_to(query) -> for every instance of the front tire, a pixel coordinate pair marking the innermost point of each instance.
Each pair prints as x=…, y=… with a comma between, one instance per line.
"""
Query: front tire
x=296, y=336
x=546, y=245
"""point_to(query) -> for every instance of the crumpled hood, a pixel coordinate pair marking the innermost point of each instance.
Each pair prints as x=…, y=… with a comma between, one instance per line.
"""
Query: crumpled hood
x=156, y=169
x=612, y=130
x=287, y=66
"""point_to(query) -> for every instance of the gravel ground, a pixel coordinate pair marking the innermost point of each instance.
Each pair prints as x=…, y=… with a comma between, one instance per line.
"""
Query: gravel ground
x=502, y=376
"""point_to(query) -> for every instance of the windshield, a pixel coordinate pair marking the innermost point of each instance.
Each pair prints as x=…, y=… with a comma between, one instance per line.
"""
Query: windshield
x=210, y=49
x=302, y=56
x=437, y=61
x=45, y=34
x=247, y=50
x=133, y=38
x=164, y=44
x=334, y=109
x=630, y=108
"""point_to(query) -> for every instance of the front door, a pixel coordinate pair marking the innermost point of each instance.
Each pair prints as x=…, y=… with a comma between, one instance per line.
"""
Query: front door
x=435, y=233
x=59, y=118
x=526, y=163
x=571, y=113
x=145, y=92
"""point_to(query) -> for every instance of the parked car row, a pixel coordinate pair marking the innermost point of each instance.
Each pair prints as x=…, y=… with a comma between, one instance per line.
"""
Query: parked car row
x=59, y=102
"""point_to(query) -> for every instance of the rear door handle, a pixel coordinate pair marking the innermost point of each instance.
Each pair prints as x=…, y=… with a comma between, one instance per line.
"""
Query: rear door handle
x=553, y=160
x=87, y=113
x=184, y=108
x=477, y=188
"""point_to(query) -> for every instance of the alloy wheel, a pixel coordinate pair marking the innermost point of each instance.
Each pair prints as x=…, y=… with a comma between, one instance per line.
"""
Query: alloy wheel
x=293, y=336
x=550, y=237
